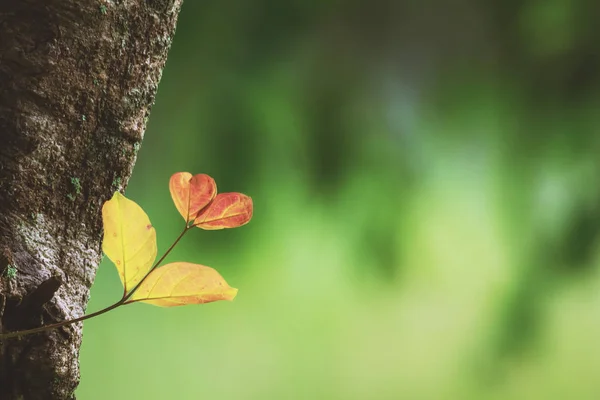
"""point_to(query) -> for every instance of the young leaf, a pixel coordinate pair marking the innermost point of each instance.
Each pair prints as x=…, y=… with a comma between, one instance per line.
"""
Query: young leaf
x=129, y=239
x=182, y=283
x=227, y=210
x=191, y=193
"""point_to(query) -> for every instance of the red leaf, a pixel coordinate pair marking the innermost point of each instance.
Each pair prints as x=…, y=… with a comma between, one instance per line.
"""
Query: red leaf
x=227, y=210
x=191, y=193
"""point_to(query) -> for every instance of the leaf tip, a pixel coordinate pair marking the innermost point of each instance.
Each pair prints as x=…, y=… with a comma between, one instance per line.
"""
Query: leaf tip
x=231, y=294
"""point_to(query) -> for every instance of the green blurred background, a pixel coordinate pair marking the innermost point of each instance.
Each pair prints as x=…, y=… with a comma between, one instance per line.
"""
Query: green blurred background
x=426, y=183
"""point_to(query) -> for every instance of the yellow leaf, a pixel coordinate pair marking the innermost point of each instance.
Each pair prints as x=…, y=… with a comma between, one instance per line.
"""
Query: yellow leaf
x=129, y=239
x=182, y=283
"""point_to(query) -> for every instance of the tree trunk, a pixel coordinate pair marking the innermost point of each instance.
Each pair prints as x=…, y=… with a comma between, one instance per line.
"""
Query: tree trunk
x=77, y=81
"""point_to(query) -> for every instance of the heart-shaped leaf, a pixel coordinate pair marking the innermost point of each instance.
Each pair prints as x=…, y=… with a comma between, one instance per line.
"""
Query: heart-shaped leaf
x=129, y=239
x=227, y=210
x=182, y=283
x=191, y=193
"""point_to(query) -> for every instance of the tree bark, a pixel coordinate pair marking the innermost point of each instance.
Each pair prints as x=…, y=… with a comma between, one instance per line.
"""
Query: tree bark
x=77, y=81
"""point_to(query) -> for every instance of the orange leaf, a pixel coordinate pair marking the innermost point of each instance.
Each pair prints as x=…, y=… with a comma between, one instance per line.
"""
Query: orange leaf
x=129, y=239
x=182, y=283
x=227, y=210
x=191, y=193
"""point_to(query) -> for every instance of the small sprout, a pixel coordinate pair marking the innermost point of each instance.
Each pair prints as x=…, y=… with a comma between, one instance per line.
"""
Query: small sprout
x=83, y=118
x=117, y=182
x=103, y=9
x=71, y=197
x=136, y=147
x=96, y=81
x=11, y=272
x=76, y=184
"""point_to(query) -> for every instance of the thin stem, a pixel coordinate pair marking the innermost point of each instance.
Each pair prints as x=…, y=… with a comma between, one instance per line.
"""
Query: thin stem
x=59, y=324
x=100, y=312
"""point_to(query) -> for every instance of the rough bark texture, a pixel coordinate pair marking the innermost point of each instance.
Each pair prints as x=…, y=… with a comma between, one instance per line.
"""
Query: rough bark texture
x=77, y=80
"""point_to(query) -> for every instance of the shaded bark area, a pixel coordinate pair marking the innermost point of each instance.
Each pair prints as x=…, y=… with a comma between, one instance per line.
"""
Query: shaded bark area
x=77, y=81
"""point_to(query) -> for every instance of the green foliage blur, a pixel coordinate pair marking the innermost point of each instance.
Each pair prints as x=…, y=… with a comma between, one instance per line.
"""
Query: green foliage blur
x=426, y=182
